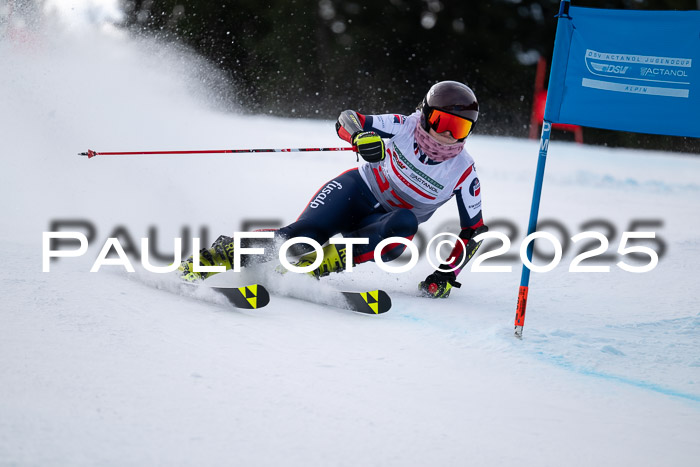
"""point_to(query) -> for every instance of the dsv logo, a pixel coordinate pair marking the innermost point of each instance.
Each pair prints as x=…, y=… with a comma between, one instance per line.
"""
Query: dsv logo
x=612, y=69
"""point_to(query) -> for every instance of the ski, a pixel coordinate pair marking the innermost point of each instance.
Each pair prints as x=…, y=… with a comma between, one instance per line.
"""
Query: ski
x=249, y=297
x=254, y=296
x=372, y=302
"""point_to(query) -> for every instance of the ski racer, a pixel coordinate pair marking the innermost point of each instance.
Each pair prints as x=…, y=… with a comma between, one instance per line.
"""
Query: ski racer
x=413, y=165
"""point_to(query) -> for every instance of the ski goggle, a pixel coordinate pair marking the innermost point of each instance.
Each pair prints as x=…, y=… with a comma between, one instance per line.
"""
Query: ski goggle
x=442, y=121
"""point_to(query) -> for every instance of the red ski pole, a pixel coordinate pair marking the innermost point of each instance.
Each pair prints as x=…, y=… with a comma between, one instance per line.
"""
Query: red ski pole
x=90, y=153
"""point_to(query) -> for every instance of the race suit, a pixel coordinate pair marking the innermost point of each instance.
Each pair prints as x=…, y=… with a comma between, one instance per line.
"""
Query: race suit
x=390, y=197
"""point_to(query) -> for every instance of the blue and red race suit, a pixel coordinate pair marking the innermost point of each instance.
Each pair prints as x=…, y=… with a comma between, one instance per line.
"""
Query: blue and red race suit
x=391, y=197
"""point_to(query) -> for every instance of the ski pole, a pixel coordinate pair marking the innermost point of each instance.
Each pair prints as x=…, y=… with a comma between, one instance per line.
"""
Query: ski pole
x=90, y=153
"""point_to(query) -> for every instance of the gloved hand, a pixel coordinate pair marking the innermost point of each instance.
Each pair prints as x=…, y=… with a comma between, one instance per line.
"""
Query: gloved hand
x=439, y=284
x=349, y=122
x=369, y=145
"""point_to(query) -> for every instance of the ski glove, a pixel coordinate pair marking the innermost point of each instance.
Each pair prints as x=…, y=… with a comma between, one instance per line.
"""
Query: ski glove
x=349, y=122
x=369, y=145
x=439, y=284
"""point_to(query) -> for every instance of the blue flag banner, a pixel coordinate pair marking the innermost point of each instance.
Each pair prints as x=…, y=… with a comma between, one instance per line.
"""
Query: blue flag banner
x=627, y=70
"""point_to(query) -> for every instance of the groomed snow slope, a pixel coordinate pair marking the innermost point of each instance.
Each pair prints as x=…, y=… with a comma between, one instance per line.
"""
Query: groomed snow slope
x=114, y=368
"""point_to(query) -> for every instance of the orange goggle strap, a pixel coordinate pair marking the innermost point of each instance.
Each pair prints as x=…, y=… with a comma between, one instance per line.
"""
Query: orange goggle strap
x=442, y=121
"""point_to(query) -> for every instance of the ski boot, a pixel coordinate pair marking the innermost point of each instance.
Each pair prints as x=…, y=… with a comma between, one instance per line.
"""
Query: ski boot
x=219, y=254
x=333, y=261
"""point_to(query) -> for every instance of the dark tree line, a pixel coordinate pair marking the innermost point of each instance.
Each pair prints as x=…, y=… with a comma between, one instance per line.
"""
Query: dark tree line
x=313, y=58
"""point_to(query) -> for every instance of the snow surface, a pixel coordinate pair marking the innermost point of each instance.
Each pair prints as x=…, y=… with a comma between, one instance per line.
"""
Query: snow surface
x=117, y=368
